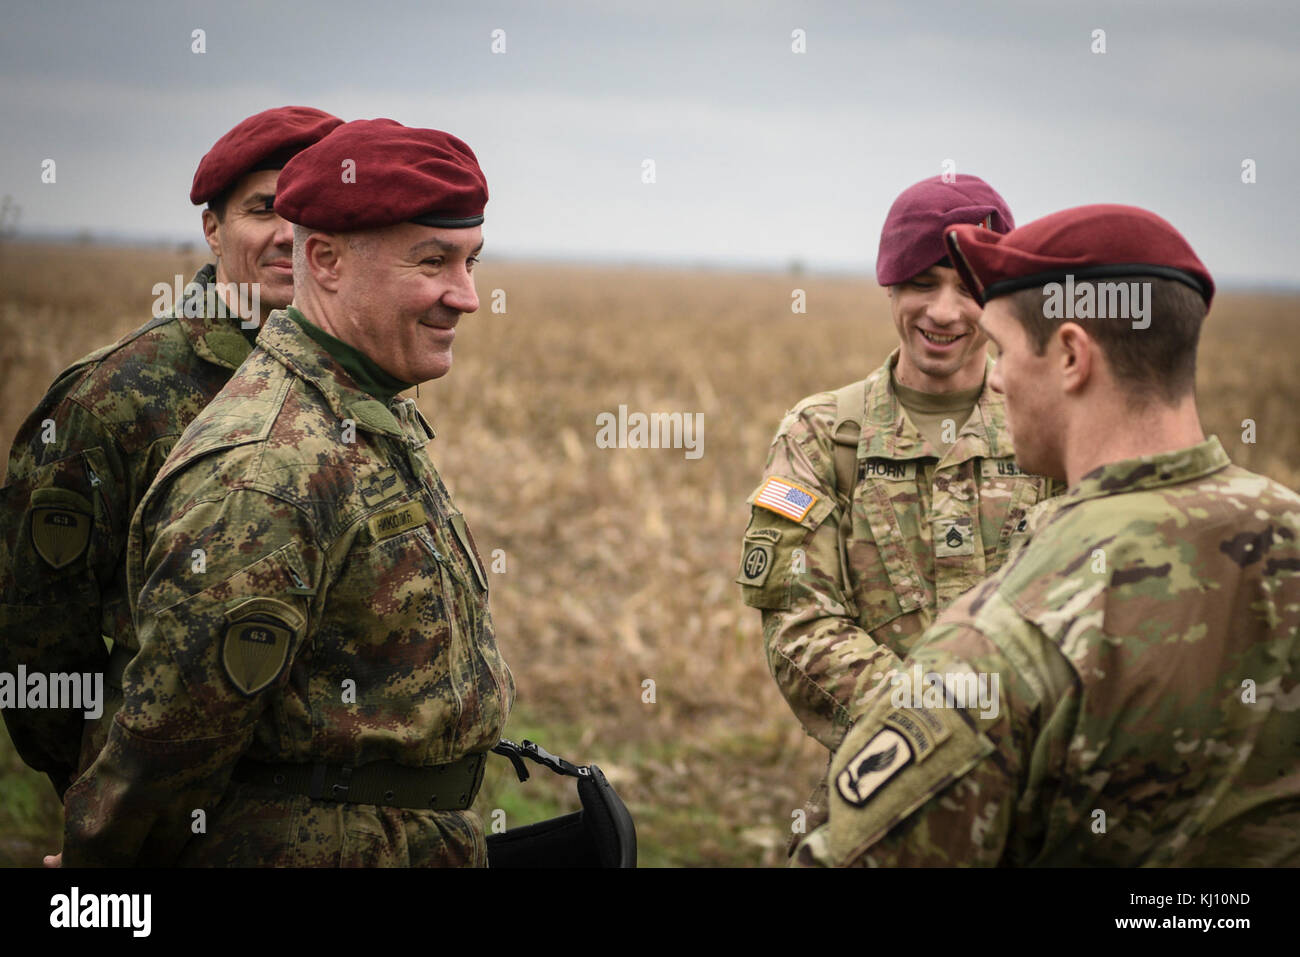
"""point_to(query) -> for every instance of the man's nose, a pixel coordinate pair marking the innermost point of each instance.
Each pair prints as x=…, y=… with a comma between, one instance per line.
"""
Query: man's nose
x=283, y=232
x=995, y=377
x=947, y=306
x=462, y=295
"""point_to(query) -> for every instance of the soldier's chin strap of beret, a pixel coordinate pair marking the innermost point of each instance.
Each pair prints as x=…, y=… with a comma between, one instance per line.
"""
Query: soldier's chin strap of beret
x=516, y=753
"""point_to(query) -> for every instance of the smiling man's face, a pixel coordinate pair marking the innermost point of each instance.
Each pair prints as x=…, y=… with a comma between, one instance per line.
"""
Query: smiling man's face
x=402, y=291
x=942, y=346
x=251, y=242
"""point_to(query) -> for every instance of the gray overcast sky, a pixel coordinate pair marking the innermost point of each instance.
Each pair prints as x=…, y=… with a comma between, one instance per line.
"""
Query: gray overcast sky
x=762, y=155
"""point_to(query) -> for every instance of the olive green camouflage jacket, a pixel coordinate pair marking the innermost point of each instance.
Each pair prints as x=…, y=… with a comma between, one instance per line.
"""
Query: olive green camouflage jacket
x=78, y=468
x=307, y=593
x=924, y=530
x=1125, y=692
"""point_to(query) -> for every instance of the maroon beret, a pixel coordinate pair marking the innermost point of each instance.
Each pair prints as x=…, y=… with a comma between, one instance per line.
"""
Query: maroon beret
x=373, y=173
x=1087, y=242
x=266, y=140
x=912, y=239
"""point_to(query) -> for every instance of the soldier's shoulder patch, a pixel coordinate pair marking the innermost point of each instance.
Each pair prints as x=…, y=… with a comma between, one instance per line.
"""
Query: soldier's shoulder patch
x=923, y=731
x=887, y=753
x=256, y=642
x=785, y=498
x=61, y=524
x=756, y=563
x=911, y=754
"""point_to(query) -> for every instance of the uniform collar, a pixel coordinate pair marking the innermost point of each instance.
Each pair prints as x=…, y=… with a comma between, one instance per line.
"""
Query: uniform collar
x=219, y=339
x=888, y=433
x=284, y=339
x=363, y=370
x=1150, y=472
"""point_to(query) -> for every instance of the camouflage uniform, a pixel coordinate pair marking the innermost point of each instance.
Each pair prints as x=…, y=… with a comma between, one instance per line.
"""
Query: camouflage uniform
x=1147, y=644
x=116, y=413
x=924, y=530
x=343, y=555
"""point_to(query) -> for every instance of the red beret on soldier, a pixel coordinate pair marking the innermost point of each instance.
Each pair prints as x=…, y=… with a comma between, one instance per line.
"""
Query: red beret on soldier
x=265, y=140
x=911, y=240
x=1086, y=242
x=373, y=173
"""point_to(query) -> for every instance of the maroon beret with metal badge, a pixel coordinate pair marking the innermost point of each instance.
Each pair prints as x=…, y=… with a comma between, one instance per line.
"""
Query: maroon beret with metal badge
x=266, y=140
x=373, y=173
x=912, y=238
x=1086, y=242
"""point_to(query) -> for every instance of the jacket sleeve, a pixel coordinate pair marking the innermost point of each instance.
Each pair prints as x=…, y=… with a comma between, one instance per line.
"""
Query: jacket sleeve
x=64, y=510
x=222, y=610
x=946, y=765
x=822, y=660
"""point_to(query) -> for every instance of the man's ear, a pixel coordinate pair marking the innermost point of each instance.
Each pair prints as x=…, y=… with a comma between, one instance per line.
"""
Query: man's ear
x=1077, y=356
x=323, y=252
x=210, y=227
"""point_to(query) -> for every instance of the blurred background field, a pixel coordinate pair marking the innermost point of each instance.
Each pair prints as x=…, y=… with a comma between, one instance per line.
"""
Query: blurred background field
x=619, y=563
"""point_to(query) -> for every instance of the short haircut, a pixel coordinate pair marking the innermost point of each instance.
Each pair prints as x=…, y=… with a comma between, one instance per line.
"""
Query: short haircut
x=1158, y=361
x=300, y=234
x=218, y=205
x=362, y=243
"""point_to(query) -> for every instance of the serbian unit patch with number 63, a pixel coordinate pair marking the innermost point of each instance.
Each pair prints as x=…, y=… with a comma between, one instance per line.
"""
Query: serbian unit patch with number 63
x=256, y=642
x=60, y=535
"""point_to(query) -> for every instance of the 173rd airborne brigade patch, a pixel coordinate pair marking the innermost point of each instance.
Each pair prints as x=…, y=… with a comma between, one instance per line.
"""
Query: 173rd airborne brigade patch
x=255, y=645
x=908, y=735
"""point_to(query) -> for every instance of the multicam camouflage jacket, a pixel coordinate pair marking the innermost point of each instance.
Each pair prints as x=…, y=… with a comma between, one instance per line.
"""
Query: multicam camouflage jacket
x=1137, y=667
x=307, y=593
x=924, y=530
x=78, y=468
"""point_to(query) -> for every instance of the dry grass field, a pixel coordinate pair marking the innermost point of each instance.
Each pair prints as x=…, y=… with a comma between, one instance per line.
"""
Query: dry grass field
x=619, y=563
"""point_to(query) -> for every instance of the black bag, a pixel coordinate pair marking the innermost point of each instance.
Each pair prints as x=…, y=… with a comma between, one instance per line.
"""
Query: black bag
x=602, y=834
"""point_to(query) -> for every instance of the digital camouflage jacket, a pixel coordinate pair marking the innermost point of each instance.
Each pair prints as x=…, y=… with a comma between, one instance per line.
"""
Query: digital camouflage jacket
x=307, y=592
x=78, y=468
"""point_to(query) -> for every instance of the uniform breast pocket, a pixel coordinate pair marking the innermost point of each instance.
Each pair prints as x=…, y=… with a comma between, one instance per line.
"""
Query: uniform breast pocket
x=387, y=614
x=58, y=531
x=388, y=653
x=887, y=579
x=1006, y=496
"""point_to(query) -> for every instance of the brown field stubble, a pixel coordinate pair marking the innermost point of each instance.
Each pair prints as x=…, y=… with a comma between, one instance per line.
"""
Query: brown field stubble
x=618, y=563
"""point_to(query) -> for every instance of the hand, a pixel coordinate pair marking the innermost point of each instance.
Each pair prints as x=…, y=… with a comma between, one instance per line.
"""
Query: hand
x=54, y=860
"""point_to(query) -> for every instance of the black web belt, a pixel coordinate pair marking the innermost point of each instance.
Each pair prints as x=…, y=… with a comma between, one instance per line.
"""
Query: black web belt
x=442, y=787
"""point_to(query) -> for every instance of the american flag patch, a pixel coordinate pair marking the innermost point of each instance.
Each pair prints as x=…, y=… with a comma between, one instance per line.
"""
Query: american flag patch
x=785, y=498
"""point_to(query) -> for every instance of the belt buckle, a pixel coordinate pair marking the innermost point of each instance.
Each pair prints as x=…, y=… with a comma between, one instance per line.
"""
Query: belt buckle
x=345, y=774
